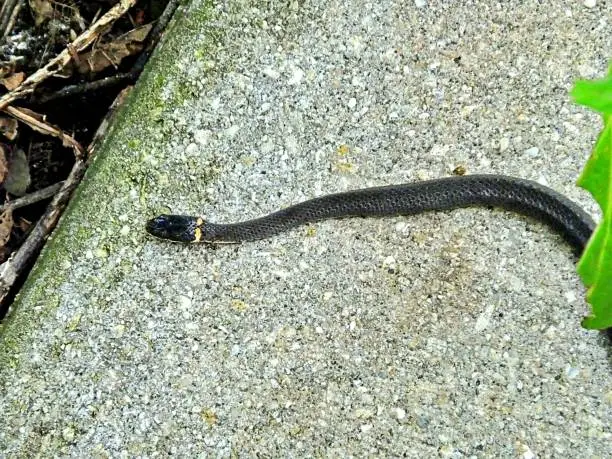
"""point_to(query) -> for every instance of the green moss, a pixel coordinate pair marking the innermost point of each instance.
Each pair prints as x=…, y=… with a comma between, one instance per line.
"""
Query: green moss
x=83, y=233
x=119, y=166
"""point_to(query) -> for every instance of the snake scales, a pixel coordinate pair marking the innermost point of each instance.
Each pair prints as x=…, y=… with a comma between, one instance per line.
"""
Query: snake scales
x=519, y=195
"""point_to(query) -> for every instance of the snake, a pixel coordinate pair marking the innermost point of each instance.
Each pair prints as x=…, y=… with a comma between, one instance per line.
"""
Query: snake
x=519, y=195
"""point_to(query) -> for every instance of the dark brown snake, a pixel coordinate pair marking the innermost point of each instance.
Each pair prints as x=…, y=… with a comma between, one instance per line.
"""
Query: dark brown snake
x=519, y=195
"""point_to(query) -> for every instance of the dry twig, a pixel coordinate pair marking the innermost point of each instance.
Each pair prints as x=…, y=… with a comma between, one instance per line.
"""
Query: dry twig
x=132, y=75
x=15, y=266
x=79, y=44
x=37, y=122
x=83, y=88
x=8, y=14
x=34, y=197
x=20, y=259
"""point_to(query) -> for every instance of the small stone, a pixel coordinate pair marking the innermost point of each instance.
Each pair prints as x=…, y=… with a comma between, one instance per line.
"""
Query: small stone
x=102, y=252
x=191, y=149
x=590, y=3
x=185, y=302
x=231, y=131
x=533, y=152
x=550, y=332
x=363, y=413
x=504, y=144
x=271, y=73
x=390, y=263
x=296, y=77
x=402, y=227
x=215, y=103
x=422, y=421
x=526, y=452
x=119, y=330
x=399, y=413
x=352, y=102
x=572, y=372
x=68, y=434
x=239, y=305
x=482, y=322
x=202, y=136
x=420, y=3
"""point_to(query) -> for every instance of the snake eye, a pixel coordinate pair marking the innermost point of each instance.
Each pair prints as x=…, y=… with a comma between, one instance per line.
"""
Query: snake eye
x=157, y=226
x=174, y=227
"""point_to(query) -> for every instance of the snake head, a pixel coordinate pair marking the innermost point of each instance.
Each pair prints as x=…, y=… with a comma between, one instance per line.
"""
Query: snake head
x=179, y=228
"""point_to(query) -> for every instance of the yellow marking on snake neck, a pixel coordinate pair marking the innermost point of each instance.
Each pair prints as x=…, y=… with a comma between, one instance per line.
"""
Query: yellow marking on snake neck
x=199, y=221
x=197, y=234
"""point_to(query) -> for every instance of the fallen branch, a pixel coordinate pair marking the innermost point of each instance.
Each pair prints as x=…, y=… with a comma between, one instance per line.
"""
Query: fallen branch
x=56, y=64
x=15, y=266
x=37, y=122
x=20, y=260
x=154, y=37
x=132, y=75
x=8, y=14
x=34, y=197
x=83, y=88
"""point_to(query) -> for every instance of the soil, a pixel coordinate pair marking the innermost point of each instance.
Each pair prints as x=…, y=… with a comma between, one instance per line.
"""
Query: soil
x=41, y=30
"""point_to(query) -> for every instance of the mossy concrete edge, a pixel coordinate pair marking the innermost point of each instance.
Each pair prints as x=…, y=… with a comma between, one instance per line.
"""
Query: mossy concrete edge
x=116, y=167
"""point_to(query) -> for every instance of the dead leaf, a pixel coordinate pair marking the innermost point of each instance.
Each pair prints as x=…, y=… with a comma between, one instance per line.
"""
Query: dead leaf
x=12, y=81
x=139, y=17
x=459, y=170
x=112, y=53
x=42, y=10
x=3, y=163
x=39, y=124
x=8, y=128
x=5, y=253
x=6, y=226
x=18, y=179
x=55, y=66
x=31, y=113
x=6, y=68
x=22, y=225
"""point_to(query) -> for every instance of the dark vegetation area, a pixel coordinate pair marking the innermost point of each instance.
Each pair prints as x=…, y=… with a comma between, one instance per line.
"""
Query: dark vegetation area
x=64, y=66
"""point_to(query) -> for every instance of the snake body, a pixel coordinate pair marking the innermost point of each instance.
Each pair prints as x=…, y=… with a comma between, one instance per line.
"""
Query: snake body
x=522, y=196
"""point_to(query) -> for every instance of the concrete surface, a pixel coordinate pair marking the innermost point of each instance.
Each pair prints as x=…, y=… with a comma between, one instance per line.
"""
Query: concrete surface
x=450, y=334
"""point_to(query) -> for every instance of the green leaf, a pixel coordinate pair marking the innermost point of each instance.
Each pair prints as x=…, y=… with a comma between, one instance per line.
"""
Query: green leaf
x=595, y=266
x=594, y=94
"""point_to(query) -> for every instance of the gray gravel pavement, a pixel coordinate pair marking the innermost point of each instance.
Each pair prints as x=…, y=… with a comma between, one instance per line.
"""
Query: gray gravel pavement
x=449, y=334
